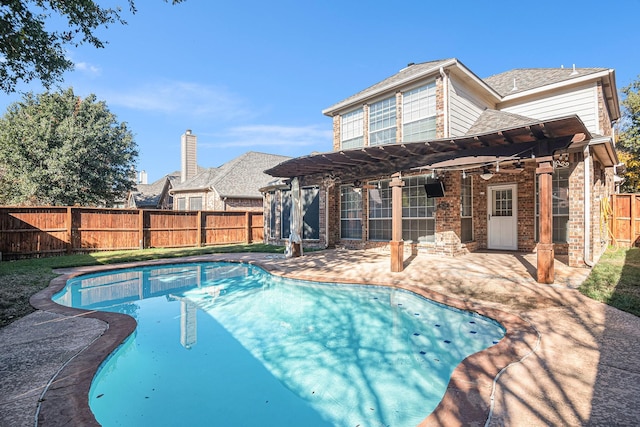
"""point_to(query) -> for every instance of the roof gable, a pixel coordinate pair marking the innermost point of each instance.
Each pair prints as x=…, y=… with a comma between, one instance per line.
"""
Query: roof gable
x=411, y=72
x=238, y=178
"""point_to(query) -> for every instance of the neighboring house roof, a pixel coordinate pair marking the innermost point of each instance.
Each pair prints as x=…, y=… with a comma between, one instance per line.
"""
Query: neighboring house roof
x=241, y=177
x=524, y=79
x=150, y=195
x=490, y=120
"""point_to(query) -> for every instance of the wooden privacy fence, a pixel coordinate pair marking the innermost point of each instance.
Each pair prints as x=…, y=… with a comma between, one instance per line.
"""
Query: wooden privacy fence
x=625, y=219
x=42, y=231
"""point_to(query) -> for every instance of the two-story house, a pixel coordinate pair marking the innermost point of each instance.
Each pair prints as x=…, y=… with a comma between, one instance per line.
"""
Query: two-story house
x=448, y=162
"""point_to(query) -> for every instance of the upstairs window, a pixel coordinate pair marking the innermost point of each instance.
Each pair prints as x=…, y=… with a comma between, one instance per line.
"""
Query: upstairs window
x=382, y=122
x=352, y=132
x=419, y=114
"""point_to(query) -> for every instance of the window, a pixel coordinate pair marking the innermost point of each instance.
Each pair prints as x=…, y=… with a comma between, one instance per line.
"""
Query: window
x=382, y=122
x=560, y=206
x=350, y=212
x=310, y=213
x=419, y=114
x=181, y=204
x=418, y=211
x=380, y=211
x=466, y=209
x=273, y=212
x=195, y=203
x=352, y=131
x=285, y=212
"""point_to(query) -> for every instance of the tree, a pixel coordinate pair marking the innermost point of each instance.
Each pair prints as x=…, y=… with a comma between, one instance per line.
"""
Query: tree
x=629, y=139
x=59, y=149
x=30, y=51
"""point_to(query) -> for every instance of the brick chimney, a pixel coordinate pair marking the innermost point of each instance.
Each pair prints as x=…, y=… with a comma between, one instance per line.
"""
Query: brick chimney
x=189, y=165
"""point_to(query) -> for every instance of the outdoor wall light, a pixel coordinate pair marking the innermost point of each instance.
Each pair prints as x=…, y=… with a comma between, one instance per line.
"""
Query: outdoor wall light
x=486, y=174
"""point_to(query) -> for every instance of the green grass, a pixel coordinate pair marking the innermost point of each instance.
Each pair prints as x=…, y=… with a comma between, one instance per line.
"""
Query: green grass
x=615, y=280
x=19, y=280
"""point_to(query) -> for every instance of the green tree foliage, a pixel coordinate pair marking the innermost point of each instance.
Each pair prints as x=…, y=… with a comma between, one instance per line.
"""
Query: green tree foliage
x=29, y=50
x=59, y=149
x=629, y=140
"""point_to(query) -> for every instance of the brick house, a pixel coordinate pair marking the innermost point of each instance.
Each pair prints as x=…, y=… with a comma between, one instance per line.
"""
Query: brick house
x=232, y=186
x=442, y=160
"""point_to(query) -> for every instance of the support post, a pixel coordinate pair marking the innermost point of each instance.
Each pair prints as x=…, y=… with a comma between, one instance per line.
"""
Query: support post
x=546, y=273
x=396, y=244
x=141, y=228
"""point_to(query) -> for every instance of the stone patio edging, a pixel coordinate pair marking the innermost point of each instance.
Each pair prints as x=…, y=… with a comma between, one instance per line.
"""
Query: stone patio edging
x=467, y=400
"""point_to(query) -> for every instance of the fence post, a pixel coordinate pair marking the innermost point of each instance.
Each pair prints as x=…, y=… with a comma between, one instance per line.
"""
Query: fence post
x=247, y=218
x=69, y=224
x=199, y=241
x=141, y=228
x=634, y=215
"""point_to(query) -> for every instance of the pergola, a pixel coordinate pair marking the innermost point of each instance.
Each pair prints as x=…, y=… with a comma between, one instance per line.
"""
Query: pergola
x=539, y=140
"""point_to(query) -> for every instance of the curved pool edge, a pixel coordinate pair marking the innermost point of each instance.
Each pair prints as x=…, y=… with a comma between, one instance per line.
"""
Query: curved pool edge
x=465, y=402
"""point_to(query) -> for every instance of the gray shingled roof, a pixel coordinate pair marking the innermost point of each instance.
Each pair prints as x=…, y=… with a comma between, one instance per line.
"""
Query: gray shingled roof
x=491, y=120
x=531, y=78
x=148, y=195
x=405, y=74
x=241, y=177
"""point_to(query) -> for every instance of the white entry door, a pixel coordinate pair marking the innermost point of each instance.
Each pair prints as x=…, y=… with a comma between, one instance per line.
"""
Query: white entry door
x=502, y=227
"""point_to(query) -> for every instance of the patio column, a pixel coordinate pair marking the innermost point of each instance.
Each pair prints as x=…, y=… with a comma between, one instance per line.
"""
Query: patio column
x=396, y=243
x=545, y=241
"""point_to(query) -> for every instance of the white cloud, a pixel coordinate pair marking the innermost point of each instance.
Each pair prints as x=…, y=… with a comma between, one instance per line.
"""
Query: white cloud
x=181, y=98
x=88, y=68
x=268, y=135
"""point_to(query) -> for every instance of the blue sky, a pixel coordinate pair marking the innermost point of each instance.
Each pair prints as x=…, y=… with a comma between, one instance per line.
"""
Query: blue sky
x=255, y=75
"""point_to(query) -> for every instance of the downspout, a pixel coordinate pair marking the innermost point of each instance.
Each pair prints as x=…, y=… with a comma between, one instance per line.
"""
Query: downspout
x=224, y=203
x=445, y=102
x=587, y=208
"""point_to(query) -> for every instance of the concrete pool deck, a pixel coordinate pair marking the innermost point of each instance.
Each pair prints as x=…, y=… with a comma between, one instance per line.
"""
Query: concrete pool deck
x=568, y=360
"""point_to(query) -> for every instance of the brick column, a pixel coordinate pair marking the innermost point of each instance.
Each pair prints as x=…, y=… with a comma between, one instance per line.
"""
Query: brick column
x=396, y=244
x=545, y=245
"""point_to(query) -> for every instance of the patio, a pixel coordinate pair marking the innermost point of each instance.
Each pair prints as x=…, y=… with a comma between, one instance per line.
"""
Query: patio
x=577, y=362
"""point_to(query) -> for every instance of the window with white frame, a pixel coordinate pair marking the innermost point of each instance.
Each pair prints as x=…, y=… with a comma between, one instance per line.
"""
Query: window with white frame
x=419, y=113
x=350, y=212
x=352, y=132
x=466, y=209
x=418, y=210
x=380, y=211
x=382, y=122
x=195, y=203
x=560, y=206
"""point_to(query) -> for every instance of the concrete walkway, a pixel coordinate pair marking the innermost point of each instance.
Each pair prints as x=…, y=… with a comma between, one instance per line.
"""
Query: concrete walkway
x=572, y=361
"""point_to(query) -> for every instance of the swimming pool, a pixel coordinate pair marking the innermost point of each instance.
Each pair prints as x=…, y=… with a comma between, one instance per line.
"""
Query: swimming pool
x=230, y=344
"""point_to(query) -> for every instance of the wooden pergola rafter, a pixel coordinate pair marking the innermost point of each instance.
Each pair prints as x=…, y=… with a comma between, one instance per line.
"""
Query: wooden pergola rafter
x=539, y=139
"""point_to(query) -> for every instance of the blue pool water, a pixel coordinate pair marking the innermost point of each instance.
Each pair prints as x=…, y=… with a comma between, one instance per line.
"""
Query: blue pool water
x=226, y=344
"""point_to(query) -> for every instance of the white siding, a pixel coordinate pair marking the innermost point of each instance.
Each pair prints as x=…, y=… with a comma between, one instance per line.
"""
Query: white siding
x=464, y=108
x=581, y=100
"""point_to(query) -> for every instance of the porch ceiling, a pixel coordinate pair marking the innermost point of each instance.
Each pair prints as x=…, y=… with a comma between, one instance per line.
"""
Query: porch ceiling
x=539, y=138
